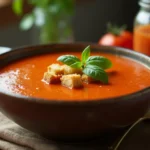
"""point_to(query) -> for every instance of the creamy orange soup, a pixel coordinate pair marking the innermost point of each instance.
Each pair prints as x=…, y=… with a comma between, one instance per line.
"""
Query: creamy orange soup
x=25, y=77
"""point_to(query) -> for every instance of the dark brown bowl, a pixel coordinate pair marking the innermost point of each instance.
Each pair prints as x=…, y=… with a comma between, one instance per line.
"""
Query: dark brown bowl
x=73, y=119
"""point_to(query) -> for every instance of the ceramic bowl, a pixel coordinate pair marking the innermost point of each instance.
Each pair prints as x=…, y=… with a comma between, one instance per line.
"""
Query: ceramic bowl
x=73, y=119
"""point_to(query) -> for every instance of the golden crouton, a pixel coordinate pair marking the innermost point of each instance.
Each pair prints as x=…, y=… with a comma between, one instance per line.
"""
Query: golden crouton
x=71, y=81
x=70, y=70
x=87, y=79
x=51, y=78
x=56, y=68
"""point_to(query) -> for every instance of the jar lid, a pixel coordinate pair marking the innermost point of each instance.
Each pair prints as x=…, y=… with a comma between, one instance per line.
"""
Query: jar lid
x=145, y=3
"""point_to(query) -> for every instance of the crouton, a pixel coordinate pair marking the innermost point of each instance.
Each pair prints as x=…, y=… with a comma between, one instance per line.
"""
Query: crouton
x=88, y=79
x=51, y=78
x=56, y=69
x=71, y=81
x=69, y=70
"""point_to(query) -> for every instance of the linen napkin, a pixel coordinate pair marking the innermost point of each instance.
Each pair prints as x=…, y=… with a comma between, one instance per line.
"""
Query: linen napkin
x=14, y=137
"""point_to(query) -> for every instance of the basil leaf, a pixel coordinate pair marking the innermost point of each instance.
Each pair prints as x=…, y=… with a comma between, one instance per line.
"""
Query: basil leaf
x=100, y=61
x=70, y=60
x=76, y=65
x=96, y=73
x=85, y=54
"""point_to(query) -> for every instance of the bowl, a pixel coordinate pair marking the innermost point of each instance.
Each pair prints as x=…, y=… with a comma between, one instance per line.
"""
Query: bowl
x=64, y=119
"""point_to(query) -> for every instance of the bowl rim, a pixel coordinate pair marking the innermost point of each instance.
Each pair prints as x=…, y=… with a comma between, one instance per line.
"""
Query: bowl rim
x=115, y=99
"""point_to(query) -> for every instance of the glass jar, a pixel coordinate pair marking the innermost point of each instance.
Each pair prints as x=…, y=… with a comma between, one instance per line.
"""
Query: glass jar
x=142, y=28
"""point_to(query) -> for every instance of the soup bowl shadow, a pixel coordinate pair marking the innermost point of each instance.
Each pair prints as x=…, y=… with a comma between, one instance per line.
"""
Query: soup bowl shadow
x=73, y=119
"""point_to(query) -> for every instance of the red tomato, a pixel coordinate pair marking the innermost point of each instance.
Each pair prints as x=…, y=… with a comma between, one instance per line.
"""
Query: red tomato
x=123, y=39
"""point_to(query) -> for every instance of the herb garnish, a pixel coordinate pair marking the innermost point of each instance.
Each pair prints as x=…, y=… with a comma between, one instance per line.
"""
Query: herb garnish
x=92, y=66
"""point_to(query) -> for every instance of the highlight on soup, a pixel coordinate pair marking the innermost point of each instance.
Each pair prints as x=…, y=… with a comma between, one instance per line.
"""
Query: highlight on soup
x=25, y=77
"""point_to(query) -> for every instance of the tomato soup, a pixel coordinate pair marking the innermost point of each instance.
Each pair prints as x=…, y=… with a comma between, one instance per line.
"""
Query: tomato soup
x=142, y=39
x=25, y=77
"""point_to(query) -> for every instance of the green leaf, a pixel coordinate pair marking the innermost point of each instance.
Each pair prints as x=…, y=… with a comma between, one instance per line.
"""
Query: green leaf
x=40, y=3
x=70, y=60
x=76, y=65
x=27, y=22
x=17, y=6
x=85, y=54
x=68, y=6
x=100, y=61
x=96, y=73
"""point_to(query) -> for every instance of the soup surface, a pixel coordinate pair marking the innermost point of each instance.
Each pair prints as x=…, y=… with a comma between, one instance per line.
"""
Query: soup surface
x=25, y=77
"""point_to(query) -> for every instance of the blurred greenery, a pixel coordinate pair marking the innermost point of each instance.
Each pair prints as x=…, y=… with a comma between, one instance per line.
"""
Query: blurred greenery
x=51, y=16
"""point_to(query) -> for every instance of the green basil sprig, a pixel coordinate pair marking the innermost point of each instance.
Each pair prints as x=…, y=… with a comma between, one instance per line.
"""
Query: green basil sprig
x=85, y=54
x=70, y=60
x=100, y=61
x=92, y=66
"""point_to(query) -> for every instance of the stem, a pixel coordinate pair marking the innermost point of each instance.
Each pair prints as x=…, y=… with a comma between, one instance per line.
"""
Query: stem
x=56, y=29
x=49, y=31
x=114, y=29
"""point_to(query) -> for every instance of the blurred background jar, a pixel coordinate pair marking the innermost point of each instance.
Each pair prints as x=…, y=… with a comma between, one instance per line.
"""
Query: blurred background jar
x=142, y=28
